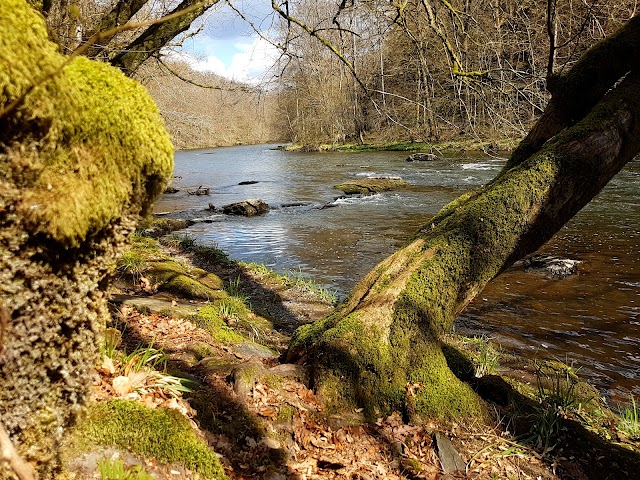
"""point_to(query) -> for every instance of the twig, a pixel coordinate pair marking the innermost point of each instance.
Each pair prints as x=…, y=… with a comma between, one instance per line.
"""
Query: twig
x=8, y=453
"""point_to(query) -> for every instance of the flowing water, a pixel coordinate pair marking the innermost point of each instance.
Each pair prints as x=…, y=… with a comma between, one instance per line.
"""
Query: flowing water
x=592, y=318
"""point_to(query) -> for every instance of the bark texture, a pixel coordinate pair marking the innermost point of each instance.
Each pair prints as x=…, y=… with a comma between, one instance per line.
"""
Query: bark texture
x=381, y=349
x=159, y=35
x=80, y=158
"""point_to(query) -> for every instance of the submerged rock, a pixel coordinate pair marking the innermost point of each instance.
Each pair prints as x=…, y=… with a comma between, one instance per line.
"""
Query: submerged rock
x=369, y=186
x=422, y=157
x=248, y=208
x=248, y=182
x=551, y=265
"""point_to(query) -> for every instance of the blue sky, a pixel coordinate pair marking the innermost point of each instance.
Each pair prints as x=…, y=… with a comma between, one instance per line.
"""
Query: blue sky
x=228, y=46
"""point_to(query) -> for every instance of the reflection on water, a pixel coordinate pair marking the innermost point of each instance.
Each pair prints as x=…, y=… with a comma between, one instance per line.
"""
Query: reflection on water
x=592, y=318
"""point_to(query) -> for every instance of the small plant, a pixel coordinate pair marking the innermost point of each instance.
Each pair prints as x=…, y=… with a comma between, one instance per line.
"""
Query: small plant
x=131, y=265
x=116, y=470
x=141, y=357
x=112, y=340
x=297, y=279
x=556, y=396
x=487, y=359
x=234, y=289
x=629, y=422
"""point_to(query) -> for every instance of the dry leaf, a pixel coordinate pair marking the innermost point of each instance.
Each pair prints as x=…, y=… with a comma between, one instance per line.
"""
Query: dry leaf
x=122, y=385
x=267, y=411
x=107, y=367
x=271, y=443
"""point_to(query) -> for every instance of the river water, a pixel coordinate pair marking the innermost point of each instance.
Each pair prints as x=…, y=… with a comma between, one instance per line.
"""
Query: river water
x=592, y=318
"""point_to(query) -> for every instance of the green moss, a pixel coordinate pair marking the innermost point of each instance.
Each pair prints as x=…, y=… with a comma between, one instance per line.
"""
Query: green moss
x=286, y=413
x=92, y=143
x=153, y=433
x=172, y=277
x=209, y=318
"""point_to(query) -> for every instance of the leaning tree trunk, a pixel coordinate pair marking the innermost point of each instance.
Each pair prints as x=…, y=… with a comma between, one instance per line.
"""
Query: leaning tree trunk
x=381, y=350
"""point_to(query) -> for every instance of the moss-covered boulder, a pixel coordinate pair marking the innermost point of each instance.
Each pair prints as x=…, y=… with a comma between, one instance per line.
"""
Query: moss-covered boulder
x=162, y=434
x=83, y=151
x=369, y=186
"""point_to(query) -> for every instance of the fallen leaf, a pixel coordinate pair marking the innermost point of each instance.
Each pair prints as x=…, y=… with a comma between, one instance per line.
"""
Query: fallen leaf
x=122, y=385
x=267, y=411
x=271, y=443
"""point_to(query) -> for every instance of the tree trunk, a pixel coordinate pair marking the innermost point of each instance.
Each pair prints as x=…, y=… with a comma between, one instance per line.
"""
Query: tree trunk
x=159, y=35
x=381, y=350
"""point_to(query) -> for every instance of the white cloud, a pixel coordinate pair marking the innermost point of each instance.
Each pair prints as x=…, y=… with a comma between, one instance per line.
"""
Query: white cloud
x=249, y=59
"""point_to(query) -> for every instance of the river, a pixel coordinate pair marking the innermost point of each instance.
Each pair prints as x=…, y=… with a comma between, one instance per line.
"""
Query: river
x=591, y=319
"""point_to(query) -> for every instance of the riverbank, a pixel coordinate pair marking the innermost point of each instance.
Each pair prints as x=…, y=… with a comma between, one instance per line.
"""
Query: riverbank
x=221, y=327
x=446, y=147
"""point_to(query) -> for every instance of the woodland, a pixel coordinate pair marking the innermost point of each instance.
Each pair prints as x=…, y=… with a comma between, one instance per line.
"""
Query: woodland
x=84, y=152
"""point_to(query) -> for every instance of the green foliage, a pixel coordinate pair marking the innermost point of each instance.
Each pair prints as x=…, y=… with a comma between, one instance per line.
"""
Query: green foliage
x=131, y=265
x=155, y=433
x=629, y=421
x=209, y=254
x=293, y=278
x=556, y=395
x=115, y=470
x=487, y=359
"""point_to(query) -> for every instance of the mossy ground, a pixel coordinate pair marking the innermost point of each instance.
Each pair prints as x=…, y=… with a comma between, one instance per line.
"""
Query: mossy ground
x=162, y=434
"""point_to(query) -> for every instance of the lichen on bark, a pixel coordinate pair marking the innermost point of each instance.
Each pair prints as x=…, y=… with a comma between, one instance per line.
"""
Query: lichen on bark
x=81, y=157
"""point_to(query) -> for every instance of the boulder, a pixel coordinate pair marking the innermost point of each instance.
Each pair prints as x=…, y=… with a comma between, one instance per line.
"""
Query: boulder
x=369, y=186
x=81, y=156
x=422, y=157
x=551, y=265
x=247, y=208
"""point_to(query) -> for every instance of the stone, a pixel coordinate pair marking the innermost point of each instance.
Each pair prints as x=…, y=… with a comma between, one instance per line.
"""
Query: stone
x=450, y=459
x=550, y=265
x=247, y=208
x=422, y=157
x=369, y=186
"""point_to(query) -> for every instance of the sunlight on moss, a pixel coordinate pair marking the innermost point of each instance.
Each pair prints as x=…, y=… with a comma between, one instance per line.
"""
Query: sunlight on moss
x=156, y=433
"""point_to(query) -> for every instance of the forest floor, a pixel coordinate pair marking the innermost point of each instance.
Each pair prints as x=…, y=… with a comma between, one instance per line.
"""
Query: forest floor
x=255, y=411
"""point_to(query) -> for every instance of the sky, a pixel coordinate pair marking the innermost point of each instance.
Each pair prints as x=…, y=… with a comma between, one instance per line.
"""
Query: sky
x=229, y=47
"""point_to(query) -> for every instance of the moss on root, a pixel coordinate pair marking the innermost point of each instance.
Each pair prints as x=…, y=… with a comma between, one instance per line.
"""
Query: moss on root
x=153, y=433
x=382, y=349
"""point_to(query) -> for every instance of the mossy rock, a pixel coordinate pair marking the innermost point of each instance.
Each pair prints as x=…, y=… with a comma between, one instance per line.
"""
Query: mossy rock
x=172, y=277
x=159, y=434
x=370, y=186
x=83, y=152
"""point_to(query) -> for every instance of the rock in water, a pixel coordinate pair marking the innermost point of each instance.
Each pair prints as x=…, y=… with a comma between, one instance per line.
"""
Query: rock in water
x=369, y=186
x=81, y=156
x=422, y=157
x=248, y=208
x=551, y=265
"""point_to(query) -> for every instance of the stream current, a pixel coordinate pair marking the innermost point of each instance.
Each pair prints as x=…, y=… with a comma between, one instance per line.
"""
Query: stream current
x=591, y=319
